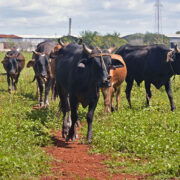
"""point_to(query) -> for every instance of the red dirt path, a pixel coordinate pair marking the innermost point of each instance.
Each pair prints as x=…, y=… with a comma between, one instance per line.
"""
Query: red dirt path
x=73, y=162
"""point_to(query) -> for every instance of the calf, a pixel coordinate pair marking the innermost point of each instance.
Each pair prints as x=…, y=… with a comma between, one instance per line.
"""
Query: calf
x=13, y=64
x=117, y=77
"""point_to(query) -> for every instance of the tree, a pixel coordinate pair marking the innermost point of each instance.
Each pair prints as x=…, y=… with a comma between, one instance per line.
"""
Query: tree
x=147, y=39
x=94, y=39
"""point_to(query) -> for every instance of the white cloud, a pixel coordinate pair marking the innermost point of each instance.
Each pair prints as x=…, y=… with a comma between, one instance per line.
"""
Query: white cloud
x=107, y=4
x=37, y=16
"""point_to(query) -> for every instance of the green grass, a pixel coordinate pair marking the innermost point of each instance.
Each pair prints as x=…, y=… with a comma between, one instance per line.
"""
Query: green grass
x=143, y=140
x=23, y=131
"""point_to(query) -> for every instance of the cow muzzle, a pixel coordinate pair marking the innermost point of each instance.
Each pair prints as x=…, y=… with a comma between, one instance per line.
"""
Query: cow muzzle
x=44, y=78
x=106, y=82
x=12, y=73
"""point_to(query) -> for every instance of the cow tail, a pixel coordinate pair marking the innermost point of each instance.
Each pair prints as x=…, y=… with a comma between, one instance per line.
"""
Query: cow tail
x=33, y=79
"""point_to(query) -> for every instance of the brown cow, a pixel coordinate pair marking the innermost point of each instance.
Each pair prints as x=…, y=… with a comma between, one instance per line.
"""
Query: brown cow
x=44, y=69
x=117, y=77
x=13, y=64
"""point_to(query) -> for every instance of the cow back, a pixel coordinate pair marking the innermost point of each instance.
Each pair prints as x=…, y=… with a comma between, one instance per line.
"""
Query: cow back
x=118, y=75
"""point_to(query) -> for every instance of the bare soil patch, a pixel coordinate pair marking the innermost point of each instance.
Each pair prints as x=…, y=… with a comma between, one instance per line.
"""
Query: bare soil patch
x=73, y=162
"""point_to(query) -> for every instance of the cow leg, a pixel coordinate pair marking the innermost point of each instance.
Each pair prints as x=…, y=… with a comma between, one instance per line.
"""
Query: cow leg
x=128, y=90
x=105, y=92
x=37, y=90
x=90, y=115
x=9, y=82
x=118, y=93
x=111, y=94
x=40, y=85
x=74, y=106
x=12, y=82
x=47, y=89
x=64, y=106
x=170, y=96
x=53, y=90
x=148, y=92
x=16, y=81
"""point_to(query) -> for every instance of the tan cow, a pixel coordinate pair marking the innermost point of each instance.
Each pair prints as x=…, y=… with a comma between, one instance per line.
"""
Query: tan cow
x=117, y=77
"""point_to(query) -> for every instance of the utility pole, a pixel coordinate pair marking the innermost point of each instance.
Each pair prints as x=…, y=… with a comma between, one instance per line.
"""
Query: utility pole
x=158, y=6
x=70, y=26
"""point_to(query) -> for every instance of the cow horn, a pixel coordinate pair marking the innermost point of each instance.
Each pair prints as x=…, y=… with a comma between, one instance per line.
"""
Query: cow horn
x=11, y=56
x=7, y=55
x=86, y=49
x=35, y=52
x=176, y=48
x=38, y=53
x=60, y=42
x=110, y=50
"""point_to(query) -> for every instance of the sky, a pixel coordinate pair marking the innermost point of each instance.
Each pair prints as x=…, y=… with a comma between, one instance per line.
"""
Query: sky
x=50, y=17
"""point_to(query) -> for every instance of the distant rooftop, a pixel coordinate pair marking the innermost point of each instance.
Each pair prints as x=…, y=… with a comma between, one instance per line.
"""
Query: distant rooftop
x=10, y=36
x=39, y=36
x=173, y=35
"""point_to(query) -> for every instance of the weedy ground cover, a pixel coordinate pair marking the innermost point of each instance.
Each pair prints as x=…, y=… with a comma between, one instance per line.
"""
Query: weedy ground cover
x=23, y=131
x=141, y=140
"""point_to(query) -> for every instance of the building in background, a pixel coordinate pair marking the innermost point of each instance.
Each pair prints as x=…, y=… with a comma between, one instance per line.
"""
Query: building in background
x=23, y=42
x=174, y=39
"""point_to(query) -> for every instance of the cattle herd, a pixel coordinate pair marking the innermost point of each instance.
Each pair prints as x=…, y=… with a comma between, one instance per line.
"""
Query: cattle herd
x=76, y=74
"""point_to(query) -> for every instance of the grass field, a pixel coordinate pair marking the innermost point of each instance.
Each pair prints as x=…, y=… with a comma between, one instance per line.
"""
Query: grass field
x=143, y=140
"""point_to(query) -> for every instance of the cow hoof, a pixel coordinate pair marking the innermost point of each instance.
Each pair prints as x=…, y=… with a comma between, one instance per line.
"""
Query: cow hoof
x=40, y=104
x=73, y=139
x=78, y=124
x=76, y=136
x=46, y=105
x=112, y=109
x=89, y=141
x=67, y=139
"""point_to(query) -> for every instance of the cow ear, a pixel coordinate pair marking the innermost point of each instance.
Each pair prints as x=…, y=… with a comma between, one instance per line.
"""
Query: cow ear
x=115, y=63
x=83, y=63
x=176, y=48
x=30, y=63
x=3, y=61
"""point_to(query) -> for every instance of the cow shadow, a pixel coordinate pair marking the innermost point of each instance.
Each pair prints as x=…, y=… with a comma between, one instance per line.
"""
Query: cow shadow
x=39, y=115
x=30, y=96
x=4, y=90
x=60, y=143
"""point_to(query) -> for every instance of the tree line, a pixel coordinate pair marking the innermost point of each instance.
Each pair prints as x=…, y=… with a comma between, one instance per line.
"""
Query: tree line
x=95, y=39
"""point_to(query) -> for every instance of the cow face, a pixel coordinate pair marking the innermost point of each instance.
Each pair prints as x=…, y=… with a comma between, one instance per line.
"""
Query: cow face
x=175, y=60
x=101, y=63
x=41, y=65
x=10, y=63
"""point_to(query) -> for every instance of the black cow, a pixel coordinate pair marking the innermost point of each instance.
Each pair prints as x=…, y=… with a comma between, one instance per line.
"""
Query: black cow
x=44, y=68
x=154, y=64
x=13, y=64
x=80, y=72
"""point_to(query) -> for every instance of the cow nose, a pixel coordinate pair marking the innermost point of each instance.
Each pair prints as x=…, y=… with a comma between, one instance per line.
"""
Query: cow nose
x=43, y=75
x=106, y=82
x=12, y=72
